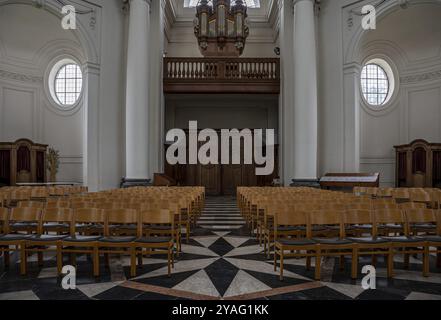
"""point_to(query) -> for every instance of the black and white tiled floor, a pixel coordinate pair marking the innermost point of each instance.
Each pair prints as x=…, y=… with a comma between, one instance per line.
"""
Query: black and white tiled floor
x=221, y=261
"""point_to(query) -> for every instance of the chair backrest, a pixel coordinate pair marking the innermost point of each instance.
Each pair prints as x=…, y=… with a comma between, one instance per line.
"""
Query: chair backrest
x=389, y=216
x=25, y=214
x=32, y=215
x=31, y=204
x=358, y=217
x=62, y=215
x=294, y=218
x=89, y=215
x=155, y=216
x=120, y=217
x=415, y=216
x=412, y=205
x=324, y=218
x=4, y=217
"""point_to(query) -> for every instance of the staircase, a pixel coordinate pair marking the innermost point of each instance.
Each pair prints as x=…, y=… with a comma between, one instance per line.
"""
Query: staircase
x=221, y=213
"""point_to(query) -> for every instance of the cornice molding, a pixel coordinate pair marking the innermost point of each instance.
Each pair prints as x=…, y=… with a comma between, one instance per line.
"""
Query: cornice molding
x=428, y=76
x=19, y=77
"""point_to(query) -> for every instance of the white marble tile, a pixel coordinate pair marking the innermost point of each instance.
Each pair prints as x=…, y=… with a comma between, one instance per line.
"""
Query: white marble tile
x=236, y=241
x=422, y=296
x=410, y=275
x=245, y=251
x=206, y=241
x=263, y=267
x=244, y=283
x=95, y=289
x=352, y=291
x=125, y=261
x=19, y=295
x=198, y=283
x=198, y=250
x=181, y=266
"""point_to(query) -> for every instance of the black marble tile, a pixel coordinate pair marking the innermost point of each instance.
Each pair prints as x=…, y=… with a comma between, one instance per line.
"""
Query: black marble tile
x=249, y=242
x=323, y=293
x=166, y=281
x=221, y=273
x=273, y=281
x=119, y=293
x=54, y=291
x=379, y=294
x=221, y=247
x=147, y=268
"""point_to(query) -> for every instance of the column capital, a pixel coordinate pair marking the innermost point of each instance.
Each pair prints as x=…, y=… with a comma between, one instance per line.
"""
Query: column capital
x=126, y=4
x=298, y=1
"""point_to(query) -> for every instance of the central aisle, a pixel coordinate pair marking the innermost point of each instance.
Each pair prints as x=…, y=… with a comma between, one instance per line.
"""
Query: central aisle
x=221, y=213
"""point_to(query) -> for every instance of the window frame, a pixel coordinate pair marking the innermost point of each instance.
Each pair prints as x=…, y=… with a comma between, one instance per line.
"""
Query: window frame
x=65, y=105
x=391, y=72
x=52, y=69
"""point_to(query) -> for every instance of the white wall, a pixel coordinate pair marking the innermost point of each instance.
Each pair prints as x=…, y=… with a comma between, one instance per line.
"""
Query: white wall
x=30, y=39
x=410, y=40
x=222, y=111
x=415, y=112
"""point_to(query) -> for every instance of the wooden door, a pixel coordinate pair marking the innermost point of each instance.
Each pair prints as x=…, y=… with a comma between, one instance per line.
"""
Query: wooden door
x=209, y=177
x=231, y=179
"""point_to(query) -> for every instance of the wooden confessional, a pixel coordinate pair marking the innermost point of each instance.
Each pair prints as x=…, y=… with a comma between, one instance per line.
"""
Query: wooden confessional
x=418, y=165
x=22, y=161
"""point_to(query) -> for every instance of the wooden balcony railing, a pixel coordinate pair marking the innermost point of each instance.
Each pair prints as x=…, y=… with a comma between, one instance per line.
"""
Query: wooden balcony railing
x=222, y=75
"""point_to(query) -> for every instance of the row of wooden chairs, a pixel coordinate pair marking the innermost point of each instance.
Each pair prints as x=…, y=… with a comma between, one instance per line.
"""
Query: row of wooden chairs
x=9, y=196
x=355, y=233
x=88, y=231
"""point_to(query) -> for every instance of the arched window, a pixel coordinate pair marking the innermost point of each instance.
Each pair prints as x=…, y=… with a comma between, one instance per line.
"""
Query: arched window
x=68, y=84
x=375, y=84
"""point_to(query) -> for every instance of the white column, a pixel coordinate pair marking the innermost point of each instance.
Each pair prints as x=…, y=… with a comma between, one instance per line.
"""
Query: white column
x=286, y=108
x=305, y=121
x=352, y=117
x=156, y=106
x=91, y=158
x=137, y=91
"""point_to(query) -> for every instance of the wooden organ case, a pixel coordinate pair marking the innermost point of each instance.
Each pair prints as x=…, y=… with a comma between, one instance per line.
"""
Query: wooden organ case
x=418, y=165
x=22, y=161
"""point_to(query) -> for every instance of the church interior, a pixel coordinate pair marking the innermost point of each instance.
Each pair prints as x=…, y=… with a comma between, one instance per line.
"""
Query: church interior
x=340, y=98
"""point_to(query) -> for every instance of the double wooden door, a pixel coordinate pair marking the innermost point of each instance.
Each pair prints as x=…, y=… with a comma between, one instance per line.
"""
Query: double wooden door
x=219, y=179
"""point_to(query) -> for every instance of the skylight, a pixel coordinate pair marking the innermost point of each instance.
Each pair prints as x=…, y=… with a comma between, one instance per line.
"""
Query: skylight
x=250, y=3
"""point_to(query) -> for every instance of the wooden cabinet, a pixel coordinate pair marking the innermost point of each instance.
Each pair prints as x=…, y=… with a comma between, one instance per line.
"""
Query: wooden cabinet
x=418, y=165
x=22, y=161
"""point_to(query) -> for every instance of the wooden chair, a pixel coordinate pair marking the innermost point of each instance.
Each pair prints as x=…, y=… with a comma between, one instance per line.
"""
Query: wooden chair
x=432, y=238
x=153, y=244
x=401, y=244
x=117, y=244
x=8, y=239
x=58, y=204
x=57, y=220
x=77, y=243
x=401, y=195
x=368, y=243
x=31, y=204
x=330, y=246
x=54, y=220
x=412, y=205
x=294, y=247
x=4, y=214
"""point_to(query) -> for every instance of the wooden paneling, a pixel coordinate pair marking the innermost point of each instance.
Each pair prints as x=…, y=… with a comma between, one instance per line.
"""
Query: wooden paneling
x=220, y=179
